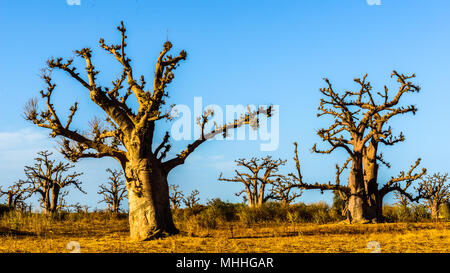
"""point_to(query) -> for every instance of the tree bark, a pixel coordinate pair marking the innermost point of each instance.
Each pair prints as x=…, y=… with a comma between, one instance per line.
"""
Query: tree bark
x=374, y=198
x=251, y=202
x=46, y=201
x=261, y=195
x=358, y=209
x=435, y=210
x=54, y=198
x=115, y=207
x=10, y=200
x=148, y=200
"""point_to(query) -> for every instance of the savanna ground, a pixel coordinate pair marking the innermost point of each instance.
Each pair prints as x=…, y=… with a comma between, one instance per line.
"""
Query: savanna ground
x=107, y=233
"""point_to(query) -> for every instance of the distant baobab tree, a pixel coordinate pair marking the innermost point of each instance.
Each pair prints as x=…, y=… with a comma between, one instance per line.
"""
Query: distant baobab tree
x=402, y=201
x=78, y=208
x=128, y=134
x=283, y=189
x=436, y=191
x=191, y=200
x=360, y=120
x=261, y=172
x=176, y=196
x=114, y=192
x=47, y=178
x=15, y=194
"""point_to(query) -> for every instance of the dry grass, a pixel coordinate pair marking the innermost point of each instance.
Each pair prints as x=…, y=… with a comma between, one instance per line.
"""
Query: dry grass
x=104, y=233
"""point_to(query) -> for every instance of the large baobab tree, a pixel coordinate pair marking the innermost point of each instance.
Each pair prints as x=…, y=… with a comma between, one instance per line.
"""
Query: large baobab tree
x=360, y=120
x=129, y=136
x=114, y=192
x=48, y=177
x=15, y=194
x=261, y=172
x=436, y=191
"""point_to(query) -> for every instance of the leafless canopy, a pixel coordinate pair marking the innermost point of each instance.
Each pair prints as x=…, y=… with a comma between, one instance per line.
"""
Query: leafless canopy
x=395, y=183
x=359, y=126
x=114, y=192
x=359, y=117
x=285, y=190
x=176, y=196
x=402, y=201
x=298, y=178
x=191, y=200
x=261, y=172
x=47, y=177
x=435, y=189
x=122, y=123
x=15, y=194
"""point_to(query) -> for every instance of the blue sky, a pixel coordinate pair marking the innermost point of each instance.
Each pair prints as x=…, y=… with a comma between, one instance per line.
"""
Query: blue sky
x=239, y=52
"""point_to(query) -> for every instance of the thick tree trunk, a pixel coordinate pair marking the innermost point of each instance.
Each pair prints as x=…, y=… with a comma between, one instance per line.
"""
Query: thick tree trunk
x=252, y=201
x=10, y=200
x=115, y=207
x=374, y=198
x=434, y=210
x=54, y=199
x=46, y=201
x=261, y=194
x=148, y=200
x=358, y=208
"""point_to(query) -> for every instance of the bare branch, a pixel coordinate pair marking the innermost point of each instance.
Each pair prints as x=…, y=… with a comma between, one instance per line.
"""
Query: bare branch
x=298, y=178
x=114, y=192
x=251, y=118
x=394, y=184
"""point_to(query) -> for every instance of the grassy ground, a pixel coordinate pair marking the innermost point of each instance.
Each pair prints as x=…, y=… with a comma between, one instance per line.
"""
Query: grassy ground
x=104, y=233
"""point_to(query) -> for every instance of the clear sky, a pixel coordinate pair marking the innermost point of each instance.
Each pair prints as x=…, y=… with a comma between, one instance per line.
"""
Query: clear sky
x=239, y=52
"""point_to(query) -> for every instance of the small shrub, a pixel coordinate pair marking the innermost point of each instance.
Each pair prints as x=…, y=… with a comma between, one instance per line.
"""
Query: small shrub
x=421, y=213
x=267, y=212
x=415, y=213
x=445, y=211
x=178, y=215
x=390, y=214
x=319, y=212
x=4, y=209
x=299, y=213
x=250, y=216
x=225, y=211
x=194, y=210
x=207, y=219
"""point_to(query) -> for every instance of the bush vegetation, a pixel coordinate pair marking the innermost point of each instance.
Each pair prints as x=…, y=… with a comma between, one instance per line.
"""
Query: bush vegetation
x=218, y=213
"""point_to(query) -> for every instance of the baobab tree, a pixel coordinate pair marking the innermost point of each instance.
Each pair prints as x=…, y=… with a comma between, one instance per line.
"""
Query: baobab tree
x=402, y=201
x=128, y=135
x=78, y=208
x=191, y=200
x=48, y=177
x=15, y=194
x=436, y=191
x=359, y=127
x=176, y=196
x=114, y=192
x=262, y=172
x=283, y=189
